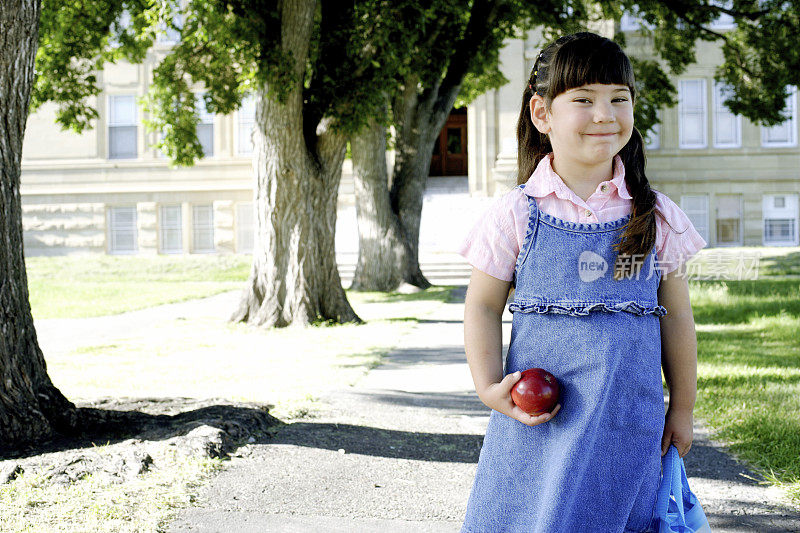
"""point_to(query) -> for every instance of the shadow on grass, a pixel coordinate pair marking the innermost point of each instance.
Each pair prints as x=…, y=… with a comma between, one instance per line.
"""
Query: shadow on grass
x=434, y=293
x=110, y=421
x=747, y=299
x=750, y=380
x=754, y=347
x=782, y=265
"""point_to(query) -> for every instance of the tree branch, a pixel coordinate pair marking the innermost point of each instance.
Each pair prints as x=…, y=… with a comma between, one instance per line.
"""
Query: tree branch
x=482, y=20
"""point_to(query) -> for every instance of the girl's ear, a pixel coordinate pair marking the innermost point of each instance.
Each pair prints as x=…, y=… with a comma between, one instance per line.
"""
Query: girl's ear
x=539, y=114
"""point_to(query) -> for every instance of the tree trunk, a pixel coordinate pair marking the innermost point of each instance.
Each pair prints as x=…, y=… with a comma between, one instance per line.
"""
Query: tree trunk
x=419, y=119
x=382, y=249
x=31, y=408
x=294, y=279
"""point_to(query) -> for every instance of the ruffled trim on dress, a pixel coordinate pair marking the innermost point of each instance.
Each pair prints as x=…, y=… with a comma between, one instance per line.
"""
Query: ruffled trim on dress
x=577, y=308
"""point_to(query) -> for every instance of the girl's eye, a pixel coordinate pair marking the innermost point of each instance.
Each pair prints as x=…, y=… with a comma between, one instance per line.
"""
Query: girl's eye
x=586, y=99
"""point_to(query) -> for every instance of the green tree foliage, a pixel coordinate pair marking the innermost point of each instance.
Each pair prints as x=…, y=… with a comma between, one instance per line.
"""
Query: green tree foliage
x=360, y=49
x=227, y=47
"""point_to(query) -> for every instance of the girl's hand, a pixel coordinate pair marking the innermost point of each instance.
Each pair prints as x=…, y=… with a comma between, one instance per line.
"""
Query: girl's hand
x=678, y=430
x=498, y=397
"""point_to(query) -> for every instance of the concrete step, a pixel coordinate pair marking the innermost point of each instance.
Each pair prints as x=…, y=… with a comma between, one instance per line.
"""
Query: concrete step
x=438, y=273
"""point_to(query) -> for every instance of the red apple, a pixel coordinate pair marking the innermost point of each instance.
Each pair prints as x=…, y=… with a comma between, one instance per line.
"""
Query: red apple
x=536, y=392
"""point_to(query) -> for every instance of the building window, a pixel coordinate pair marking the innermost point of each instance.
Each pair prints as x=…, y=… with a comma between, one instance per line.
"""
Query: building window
x=692, y=112
x=779, y=231
x=170, y=229
x=696, y=208
x=122, y=129
x=785, y=133
x=780, y=219
x=205, y=128
x=203, y=228
x=122, y=235
x=247, y=119
x=727, y=126
x=729, y=219
x=245, y=231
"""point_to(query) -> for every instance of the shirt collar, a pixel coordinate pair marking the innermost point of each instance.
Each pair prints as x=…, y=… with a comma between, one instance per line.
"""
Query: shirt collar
x=544, y=180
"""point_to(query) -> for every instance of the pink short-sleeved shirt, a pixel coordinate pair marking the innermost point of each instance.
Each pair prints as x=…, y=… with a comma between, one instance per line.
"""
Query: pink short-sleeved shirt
x=494, y=242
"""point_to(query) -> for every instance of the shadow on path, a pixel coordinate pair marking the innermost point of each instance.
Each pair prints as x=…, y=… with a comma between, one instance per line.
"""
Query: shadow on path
x=380, y=442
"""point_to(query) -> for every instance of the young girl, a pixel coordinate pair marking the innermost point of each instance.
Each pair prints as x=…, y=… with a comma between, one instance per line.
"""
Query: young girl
x=600, y=301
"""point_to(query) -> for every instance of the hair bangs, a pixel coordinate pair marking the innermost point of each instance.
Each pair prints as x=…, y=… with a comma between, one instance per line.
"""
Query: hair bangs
x=586, y=61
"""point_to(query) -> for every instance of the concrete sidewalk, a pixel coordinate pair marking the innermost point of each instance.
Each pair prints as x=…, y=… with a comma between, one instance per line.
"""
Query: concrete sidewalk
x=398, y=452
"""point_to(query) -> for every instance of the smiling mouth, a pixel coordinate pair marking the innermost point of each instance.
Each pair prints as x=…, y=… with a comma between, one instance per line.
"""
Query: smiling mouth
x=600, y=134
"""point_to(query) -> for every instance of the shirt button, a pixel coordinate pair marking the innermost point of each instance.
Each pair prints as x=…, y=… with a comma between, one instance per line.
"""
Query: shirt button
x=604, y=187
x=587, y=213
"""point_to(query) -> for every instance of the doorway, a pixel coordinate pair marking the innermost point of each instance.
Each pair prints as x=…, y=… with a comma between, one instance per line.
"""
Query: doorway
x=450, y=149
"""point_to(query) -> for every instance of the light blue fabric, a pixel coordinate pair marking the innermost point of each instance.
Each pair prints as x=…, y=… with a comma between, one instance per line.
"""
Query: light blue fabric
x=596, y=466
x=677, y=508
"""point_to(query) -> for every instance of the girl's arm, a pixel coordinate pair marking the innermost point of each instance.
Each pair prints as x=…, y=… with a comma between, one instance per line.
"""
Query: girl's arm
x=483, y=342
x=679, y=360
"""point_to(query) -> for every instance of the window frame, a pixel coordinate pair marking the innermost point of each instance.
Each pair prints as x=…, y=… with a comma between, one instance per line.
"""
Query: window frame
x=703, y=113
x=791, y=211
x=717, y=218
x=692, y=212
x=720, y=109
x=790, y=122
x=162, y=228
x=195, y=229
x=111, y=123
x=242, y=121
x=206, y=119
x=112, y=231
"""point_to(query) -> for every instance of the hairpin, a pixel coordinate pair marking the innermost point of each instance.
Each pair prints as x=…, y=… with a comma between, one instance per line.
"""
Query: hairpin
x=536, y=72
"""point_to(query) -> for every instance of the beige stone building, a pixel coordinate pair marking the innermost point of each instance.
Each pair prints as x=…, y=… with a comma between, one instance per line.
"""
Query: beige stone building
x=109, y=191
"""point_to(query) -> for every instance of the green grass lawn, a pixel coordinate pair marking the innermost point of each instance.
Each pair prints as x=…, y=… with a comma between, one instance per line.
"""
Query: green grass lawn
x=748, y=352
x=82, y=286
x=748, y=383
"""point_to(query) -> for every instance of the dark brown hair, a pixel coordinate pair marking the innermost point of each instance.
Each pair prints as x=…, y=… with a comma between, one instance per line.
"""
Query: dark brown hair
x=572, y=61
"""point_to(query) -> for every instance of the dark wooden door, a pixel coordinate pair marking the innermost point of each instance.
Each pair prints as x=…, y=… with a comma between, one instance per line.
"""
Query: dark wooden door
x=450, y=150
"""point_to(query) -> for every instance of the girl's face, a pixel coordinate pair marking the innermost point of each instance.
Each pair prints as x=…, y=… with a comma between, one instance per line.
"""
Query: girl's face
x=588, y=124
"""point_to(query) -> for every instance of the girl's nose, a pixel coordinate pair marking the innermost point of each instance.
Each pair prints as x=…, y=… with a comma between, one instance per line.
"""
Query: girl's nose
x=603, y=112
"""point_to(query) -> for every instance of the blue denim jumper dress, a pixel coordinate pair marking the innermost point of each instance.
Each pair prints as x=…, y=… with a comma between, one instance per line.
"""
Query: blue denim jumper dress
x=595, y=466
